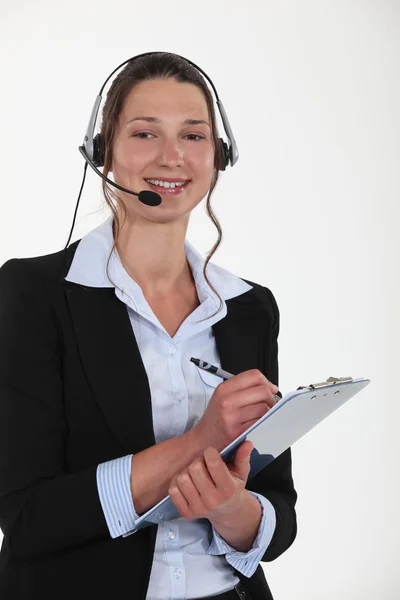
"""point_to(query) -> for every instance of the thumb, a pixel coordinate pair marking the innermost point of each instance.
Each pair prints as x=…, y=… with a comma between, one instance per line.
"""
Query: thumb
x=242, y=454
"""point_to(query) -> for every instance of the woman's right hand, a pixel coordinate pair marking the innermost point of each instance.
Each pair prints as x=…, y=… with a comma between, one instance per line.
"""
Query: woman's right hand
x=235, y=405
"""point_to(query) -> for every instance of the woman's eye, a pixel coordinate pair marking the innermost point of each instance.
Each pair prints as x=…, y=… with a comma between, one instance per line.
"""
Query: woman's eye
x=199, y=137
x=142, y=133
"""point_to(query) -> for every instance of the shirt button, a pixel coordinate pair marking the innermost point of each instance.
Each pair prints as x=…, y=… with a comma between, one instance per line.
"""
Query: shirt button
x=171, y=535
x=177, y=573
x=180, y=396
x=171, y=349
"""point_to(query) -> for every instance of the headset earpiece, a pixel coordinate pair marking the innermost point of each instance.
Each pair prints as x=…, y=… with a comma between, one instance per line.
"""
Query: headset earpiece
x=224, y=152
x=98, y=150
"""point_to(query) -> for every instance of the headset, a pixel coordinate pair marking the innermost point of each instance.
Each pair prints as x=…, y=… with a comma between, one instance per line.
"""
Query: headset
x=93, y=148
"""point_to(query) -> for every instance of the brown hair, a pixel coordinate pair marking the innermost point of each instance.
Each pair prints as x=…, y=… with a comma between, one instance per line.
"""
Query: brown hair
x=155, y=66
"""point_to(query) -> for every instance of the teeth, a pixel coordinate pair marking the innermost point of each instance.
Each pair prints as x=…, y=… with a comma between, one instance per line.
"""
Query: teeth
x=166, y=184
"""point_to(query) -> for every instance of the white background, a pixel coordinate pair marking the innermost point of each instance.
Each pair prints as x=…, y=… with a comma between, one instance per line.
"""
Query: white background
x=310, y=210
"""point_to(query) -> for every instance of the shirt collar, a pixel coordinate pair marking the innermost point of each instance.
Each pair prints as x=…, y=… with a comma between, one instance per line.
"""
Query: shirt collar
x=89, y=267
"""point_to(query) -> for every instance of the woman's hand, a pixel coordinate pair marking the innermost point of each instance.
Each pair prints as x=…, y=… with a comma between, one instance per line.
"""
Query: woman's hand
x=235, y=405
x=208, y=487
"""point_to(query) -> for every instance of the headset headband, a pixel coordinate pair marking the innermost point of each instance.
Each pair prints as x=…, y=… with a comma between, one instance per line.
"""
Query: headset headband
x=232, y=153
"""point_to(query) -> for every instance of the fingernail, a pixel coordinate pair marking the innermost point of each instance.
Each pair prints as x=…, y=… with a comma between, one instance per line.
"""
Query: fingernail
x=275, y=389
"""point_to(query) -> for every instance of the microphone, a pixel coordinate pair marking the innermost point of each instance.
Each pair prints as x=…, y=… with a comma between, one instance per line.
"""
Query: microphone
x=146, y=196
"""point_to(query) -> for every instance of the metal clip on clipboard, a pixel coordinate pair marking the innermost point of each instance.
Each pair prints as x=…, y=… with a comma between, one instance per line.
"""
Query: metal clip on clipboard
x=328, y=382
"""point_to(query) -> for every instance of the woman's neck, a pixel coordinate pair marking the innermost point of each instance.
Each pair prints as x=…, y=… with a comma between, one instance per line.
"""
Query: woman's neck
x=154, y=258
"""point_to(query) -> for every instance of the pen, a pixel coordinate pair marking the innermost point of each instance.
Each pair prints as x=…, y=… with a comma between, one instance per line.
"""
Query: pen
x=202, y=364
x=205, y=366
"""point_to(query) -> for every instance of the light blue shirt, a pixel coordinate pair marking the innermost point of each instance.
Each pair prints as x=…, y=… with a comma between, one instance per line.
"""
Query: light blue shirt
x=185, y=550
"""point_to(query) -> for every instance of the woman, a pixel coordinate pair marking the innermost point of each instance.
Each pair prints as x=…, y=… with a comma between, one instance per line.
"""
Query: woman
x=102, y=412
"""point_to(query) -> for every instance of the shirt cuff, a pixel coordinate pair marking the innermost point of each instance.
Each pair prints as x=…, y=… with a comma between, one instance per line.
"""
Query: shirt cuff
x=114, y=488
x=247, y=562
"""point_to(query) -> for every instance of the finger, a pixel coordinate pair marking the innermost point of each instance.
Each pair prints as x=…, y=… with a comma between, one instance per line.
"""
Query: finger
x=251, y=397
x=209, y=494
x=272, y=399
x=219, y=473
x=244, y=451
x=180, y=502
x=250, y=413
x=241, y=462
x=248, y=379
x=187, y=487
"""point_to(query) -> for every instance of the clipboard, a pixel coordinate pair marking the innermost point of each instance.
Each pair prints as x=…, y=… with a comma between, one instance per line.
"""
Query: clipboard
x=294, y=415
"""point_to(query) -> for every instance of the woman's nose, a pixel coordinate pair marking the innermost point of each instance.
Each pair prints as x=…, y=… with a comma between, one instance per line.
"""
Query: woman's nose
x=170, y=154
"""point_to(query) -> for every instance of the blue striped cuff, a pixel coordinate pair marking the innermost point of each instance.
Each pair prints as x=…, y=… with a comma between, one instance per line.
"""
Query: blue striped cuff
x=114, y=488
x=247, y=562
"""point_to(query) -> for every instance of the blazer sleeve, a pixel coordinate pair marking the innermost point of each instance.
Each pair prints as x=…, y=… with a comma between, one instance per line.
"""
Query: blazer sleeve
x=275, y=481
x=43, y=508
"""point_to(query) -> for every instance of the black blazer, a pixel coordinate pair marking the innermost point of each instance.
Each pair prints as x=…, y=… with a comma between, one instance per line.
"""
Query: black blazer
x=73, y=395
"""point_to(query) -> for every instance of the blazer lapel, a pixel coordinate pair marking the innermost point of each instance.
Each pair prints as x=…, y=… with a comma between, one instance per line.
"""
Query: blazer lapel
x=239, y=336
x=113, y=364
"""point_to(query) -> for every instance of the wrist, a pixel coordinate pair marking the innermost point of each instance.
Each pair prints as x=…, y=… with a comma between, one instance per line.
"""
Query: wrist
x=239, y=529
x=241, y=504
x=193, y=442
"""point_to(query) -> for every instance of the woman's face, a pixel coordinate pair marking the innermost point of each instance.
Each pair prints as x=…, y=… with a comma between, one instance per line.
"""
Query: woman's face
x=164, y=134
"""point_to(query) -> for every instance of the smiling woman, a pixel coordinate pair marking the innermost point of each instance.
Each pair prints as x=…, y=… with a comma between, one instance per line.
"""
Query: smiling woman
x=165, y=148
x=159, y=127
x=102, y=413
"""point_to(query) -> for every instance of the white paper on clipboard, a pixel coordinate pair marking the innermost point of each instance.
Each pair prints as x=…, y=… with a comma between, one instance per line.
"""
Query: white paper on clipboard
x=293, y=416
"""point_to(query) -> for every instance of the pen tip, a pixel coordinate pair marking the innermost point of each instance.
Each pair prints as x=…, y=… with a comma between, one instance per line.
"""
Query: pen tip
x=194, y=360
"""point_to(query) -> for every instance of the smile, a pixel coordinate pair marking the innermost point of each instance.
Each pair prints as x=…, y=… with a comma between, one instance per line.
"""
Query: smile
x=167, y=187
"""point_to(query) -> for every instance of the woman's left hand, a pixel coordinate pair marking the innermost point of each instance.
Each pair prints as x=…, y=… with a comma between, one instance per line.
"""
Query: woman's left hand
x=208, y=487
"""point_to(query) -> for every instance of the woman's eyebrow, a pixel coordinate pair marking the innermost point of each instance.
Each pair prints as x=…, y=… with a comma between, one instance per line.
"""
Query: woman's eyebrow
x=156, y=120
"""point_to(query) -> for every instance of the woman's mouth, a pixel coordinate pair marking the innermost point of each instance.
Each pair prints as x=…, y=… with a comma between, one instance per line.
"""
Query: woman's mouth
x=170, y=188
